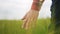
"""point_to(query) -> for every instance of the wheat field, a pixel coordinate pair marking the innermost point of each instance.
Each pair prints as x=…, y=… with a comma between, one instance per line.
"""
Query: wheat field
x=14, y=27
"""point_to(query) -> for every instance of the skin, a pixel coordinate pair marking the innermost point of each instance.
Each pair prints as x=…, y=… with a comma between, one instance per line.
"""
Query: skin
x=31, y=16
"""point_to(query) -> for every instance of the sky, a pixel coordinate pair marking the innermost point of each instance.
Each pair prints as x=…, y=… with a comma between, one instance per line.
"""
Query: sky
x=16, y=9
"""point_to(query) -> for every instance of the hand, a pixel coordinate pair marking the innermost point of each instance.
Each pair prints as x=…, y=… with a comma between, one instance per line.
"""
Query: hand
x=30, y=18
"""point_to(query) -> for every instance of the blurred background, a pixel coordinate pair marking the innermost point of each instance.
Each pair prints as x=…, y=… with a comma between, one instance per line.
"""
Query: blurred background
x=11, y=11
x=16, y=9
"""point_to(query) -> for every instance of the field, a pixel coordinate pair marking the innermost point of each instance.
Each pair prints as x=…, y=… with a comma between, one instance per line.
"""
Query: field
x=14, y=27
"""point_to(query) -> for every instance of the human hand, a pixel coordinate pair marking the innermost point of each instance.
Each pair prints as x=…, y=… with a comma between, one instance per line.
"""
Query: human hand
x=30, y=18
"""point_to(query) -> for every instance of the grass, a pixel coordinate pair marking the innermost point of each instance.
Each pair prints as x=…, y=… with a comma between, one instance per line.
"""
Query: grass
x=14, y=27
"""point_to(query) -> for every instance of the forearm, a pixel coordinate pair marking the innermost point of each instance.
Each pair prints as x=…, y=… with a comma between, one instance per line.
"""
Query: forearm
x=36, y=5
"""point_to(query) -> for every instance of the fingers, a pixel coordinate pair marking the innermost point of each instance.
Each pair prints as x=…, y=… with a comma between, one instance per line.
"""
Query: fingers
x=27, y=25
x=29, y=19
x=35, y=20
x=25, y=19
x=24, y=23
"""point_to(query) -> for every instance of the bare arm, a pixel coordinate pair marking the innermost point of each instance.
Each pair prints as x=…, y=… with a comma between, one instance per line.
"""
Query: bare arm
x=32, y=15
x=36, y=5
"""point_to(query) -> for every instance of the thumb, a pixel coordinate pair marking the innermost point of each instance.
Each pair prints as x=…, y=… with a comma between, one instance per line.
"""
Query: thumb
x=24, y=17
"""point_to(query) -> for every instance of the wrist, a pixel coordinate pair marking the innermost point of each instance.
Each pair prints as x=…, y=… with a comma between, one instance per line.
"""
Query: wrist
x=36, y=5
x=34, y=10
